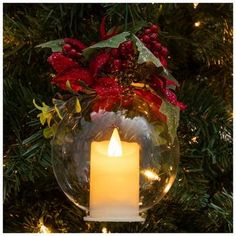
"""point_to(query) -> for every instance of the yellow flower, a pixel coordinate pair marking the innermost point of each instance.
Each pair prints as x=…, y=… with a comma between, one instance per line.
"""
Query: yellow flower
x=77, y=106
x=45, y=115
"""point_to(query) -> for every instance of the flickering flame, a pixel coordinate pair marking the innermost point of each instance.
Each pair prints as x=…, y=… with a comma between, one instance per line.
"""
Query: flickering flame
x=114, y=147
x=151, y=175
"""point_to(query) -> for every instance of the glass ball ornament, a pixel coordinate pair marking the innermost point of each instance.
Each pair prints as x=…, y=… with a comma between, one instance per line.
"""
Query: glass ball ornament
x=72, y=153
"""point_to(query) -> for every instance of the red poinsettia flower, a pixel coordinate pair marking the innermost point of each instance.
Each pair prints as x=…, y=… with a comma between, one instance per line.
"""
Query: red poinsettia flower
x=68, y=70
x=74, y=76
x=154, y=102
x=60, y=62
x=109, y=93
x=107, y=86
x=160, y=83
x=98, y=62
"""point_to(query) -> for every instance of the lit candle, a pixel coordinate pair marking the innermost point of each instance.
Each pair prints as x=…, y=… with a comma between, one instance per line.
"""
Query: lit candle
x=114, y=180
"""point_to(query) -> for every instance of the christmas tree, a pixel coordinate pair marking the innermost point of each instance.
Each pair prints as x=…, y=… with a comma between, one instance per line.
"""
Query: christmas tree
x=199, y=42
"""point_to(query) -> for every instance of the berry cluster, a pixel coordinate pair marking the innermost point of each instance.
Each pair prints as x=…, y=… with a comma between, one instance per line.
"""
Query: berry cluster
x=149, y=36
x=121, y=56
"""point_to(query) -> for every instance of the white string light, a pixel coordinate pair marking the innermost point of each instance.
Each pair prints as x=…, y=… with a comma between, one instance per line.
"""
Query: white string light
x=197, y=23
x=195, y=5
x=43, y=228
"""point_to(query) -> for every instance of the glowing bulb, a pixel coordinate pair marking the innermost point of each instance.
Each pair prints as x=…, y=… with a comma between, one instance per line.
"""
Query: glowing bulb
x=195, y=5
x=194, y=139
x=104, y=230
x=197, y=24
x=44, y=229
x=114, y=147
x=151, y=175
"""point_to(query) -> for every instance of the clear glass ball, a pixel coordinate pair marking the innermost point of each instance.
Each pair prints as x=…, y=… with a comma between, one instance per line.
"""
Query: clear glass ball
x=159, y=156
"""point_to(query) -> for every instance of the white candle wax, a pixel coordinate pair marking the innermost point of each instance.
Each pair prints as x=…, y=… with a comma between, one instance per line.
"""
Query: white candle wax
x=114, y=181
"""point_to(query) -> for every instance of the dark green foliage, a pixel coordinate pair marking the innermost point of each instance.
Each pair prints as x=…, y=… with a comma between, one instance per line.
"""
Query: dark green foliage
x=200, y=59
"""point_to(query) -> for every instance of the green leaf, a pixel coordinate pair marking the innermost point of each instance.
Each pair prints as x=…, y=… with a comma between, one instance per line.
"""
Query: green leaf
x=113, y=42
x=145, y=55
x=50, y=131
x=55, y=45
x=159, y=129
x=172, y=114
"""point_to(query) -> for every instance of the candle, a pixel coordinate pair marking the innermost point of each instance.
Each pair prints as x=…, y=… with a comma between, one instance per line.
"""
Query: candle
x=114, y=180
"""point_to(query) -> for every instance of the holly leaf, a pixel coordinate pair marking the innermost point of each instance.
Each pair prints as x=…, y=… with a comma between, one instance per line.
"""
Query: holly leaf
x=55, y=45
x=112, y=42
x=172, y=114
x=145, y=55
x=160, y=140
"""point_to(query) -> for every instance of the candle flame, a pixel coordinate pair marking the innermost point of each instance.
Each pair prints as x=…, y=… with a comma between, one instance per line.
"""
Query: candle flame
x=114, y=147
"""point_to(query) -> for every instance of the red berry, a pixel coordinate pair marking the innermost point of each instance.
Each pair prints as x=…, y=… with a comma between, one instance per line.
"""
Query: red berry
x=115, y=52
x=78, y=54
x=129, y=45
x=72, y=53
x=67, y=47
x=157, y=46
x=148, y=31
x=116, y=65
x=148, y=45
x=164, y=51
x=153, y=36
x=117, y=62
x=156, y=54
x=123, y=50
x=154, y=28
x=146, y=39
x=163, y=61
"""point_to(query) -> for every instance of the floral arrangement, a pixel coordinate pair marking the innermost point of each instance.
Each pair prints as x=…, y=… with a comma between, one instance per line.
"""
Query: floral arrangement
x=113, y=71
